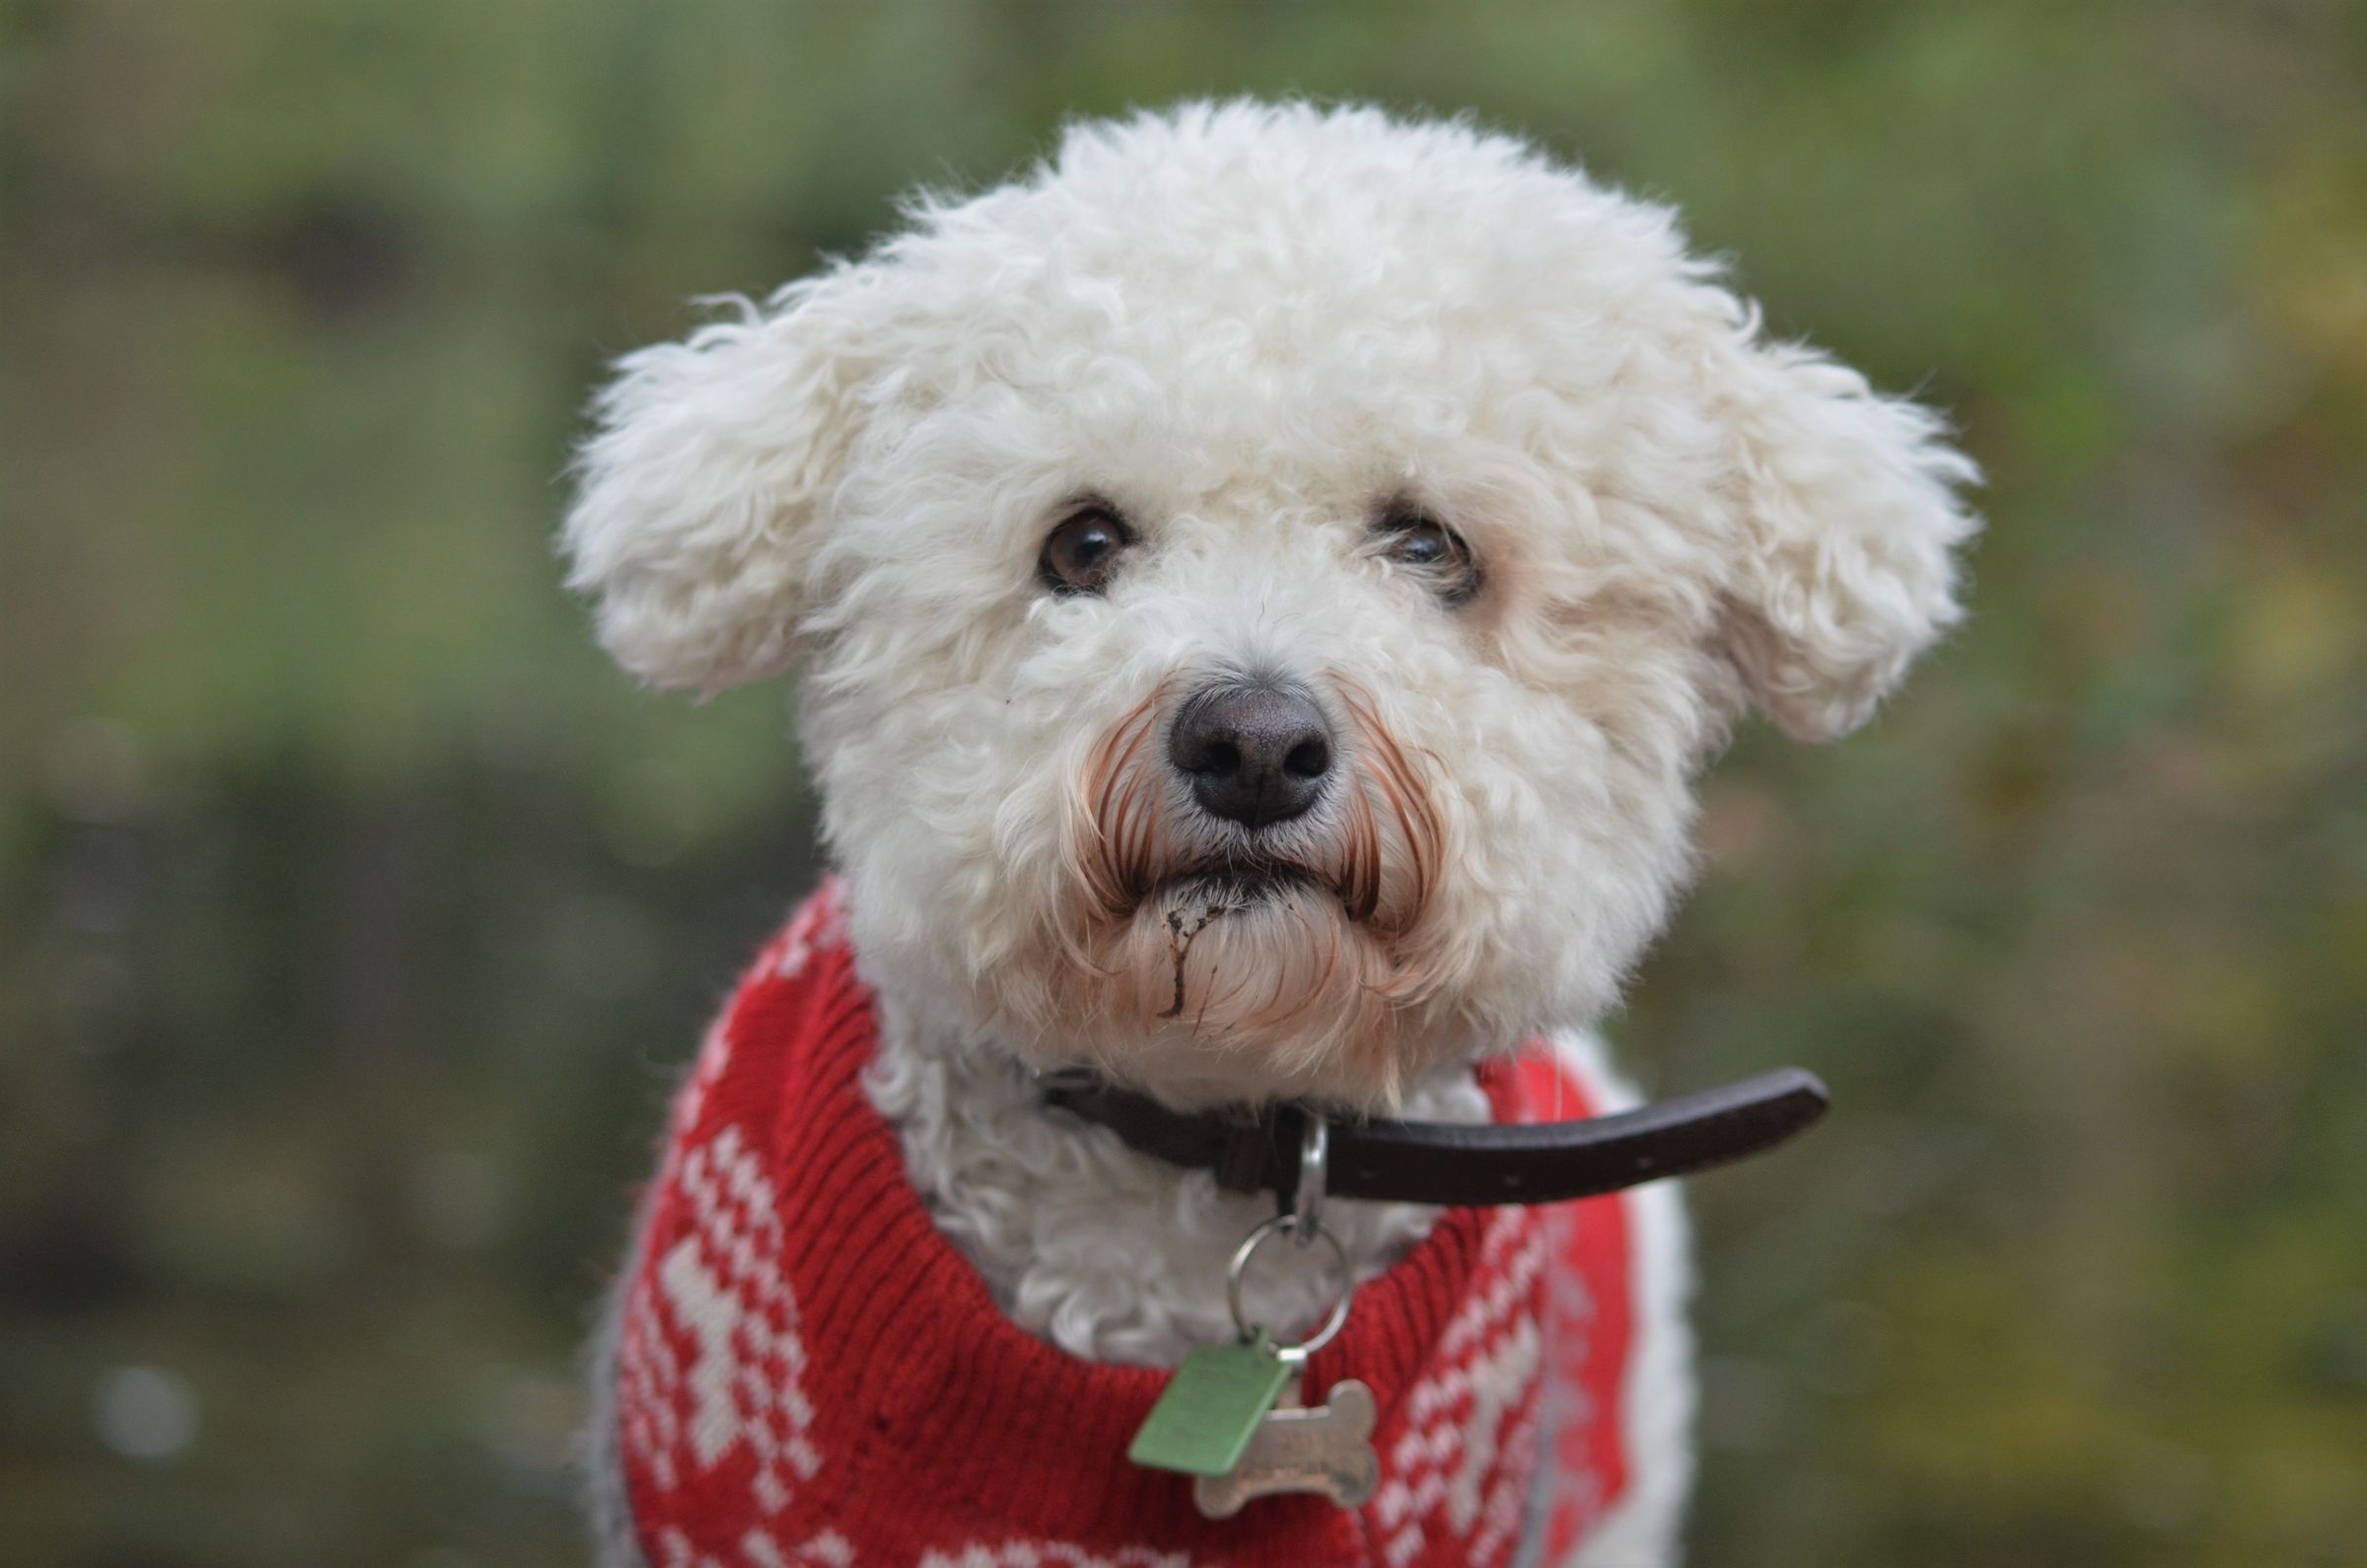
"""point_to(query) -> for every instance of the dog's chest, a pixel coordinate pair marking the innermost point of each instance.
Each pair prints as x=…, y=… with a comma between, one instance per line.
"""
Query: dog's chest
x=809, y=1373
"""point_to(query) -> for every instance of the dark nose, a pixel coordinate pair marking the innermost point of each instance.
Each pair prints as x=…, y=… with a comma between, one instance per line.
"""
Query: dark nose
x=1254, y=753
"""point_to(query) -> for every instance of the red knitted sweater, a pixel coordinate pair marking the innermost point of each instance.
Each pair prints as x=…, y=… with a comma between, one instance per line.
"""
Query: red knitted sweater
x=810, y=1374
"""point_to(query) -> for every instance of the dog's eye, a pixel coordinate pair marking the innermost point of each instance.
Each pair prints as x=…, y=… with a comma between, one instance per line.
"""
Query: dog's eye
x=1081, y=555
x=1436, y=551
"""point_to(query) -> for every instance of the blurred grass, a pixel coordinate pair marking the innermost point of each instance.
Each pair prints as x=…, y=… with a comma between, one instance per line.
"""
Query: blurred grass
x=352, y=913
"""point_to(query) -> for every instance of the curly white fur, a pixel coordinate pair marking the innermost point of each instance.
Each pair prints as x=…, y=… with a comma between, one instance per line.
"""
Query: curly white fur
x=1257, y=332
x=1057, y=1214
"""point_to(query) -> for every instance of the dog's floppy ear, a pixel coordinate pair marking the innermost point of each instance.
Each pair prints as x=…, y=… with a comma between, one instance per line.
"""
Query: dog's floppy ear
x=701, y=490
x=1850, y=517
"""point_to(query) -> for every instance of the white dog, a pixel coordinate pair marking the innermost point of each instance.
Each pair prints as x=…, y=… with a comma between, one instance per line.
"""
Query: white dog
x=1264, y=582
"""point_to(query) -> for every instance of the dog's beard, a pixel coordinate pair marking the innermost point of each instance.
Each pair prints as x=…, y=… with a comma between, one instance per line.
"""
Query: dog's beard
x=1204, y=964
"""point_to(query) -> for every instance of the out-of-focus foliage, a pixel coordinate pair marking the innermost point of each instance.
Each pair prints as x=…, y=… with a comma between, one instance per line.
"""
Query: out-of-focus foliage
x=354, y=914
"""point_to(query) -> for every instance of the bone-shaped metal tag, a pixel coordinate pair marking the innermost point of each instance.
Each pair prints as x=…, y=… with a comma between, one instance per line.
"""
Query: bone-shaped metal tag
x=1328, y=1450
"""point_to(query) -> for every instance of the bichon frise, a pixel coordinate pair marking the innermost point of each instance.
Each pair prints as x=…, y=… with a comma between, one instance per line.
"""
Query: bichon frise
x=1264, y=584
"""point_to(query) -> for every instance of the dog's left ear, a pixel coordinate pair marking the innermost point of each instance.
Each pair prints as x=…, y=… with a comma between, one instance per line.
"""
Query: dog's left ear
x=703, y=489
x=1843, y=566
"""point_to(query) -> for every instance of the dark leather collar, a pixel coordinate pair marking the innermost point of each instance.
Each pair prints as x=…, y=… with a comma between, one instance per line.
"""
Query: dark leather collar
x=1448, y=1162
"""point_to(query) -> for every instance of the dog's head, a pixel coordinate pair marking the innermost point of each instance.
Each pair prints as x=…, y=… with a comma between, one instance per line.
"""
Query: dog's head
x=1263, y=582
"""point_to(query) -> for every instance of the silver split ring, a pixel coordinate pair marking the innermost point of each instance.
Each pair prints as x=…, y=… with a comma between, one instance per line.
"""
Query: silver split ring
x=1281, y=1223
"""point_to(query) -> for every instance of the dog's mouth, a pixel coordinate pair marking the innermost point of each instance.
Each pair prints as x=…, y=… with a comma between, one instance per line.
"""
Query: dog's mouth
x=1237, y=883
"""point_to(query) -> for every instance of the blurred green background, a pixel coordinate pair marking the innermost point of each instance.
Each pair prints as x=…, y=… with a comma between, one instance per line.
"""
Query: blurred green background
x=354, y=914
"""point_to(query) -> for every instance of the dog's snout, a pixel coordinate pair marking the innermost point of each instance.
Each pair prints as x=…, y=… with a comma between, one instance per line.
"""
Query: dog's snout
x=1254, y=753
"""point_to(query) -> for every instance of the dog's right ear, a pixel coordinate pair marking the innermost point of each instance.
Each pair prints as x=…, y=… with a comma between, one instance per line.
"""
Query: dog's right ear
x=700, y=492
x=1851, y=516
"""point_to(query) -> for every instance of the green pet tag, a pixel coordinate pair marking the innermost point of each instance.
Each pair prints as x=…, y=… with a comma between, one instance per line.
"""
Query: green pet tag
x=1211, y=1407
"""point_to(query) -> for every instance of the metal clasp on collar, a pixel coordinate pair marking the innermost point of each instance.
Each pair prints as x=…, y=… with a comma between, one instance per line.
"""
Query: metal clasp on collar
x=1307, y=1203
x=1061, y=1079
